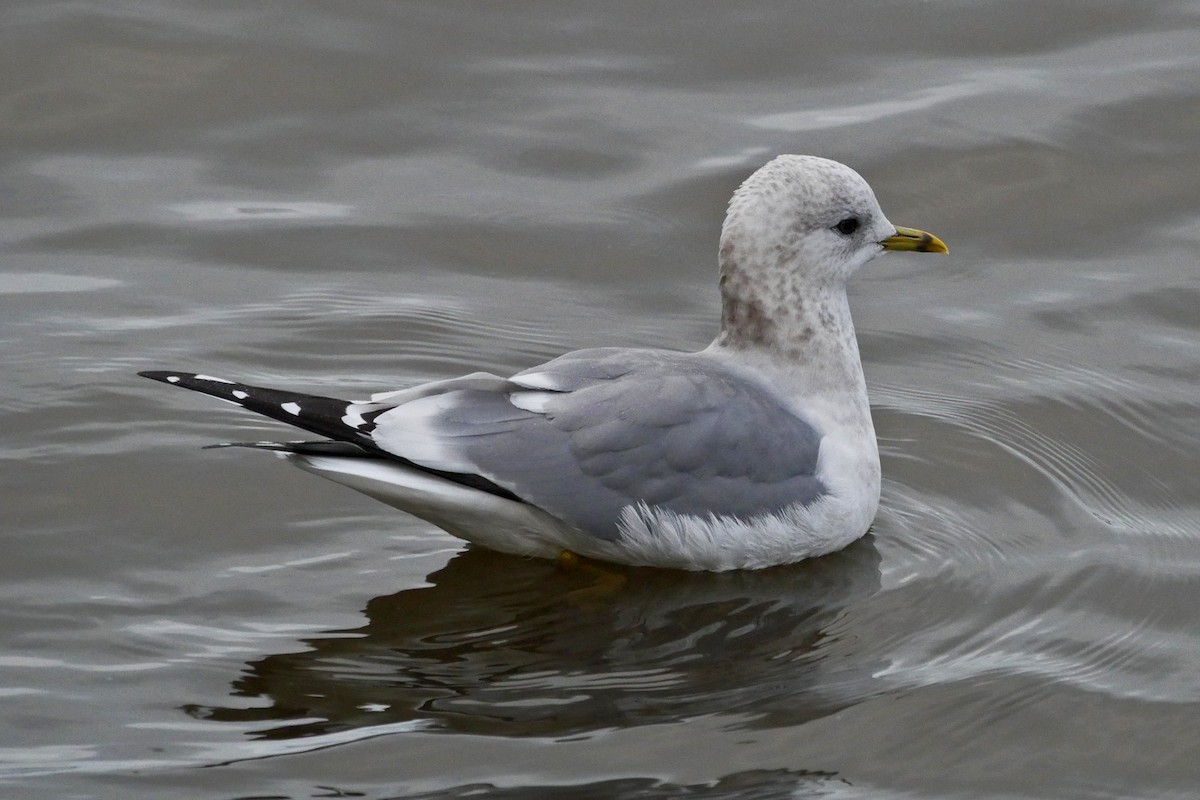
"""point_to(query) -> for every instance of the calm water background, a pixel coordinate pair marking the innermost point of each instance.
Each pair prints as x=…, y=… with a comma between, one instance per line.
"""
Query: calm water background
x=353, y=197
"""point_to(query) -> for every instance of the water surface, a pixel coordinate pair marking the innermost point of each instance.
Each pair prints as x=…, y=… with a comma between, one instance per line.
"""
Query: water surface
x=352, y=198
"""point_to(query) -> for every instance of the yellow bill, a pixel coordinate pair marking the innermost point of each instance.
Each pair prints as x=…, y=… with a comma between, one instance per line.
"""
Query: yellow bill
x=913, y=239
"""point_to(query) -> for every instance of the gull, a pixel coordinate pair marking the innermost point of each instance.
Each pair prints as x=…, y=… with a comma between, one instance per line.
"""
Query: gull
x=758, y=450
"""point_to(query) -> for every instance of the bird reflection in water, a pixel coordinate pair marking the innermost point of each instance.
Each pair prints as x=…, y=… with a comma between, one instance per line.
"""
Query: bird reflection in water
x=503, y=646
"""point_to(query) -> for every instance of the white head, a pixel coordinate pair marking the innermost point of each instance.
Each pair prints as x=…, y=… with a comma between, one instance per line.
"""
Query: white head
x=797, y=229
x=808, y=214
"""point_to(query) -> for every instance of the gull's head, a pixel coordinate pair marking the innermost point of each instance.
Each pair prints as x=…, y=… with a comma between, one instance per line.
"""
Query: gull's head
x=810, y=218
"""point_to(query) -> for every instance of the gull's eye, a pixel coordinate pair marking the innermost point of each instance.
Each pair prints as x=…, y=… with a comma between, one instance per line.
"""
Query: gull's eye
x=847, y=226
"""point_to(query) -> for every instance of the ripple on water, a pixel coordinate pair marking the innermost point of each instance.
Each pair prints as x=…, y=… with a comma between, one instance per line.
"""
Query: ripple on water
x=45, y=282
x=1087, y=433
x=1066, y=626
x=387, y=336
x=1057, y=559
x=252, y=211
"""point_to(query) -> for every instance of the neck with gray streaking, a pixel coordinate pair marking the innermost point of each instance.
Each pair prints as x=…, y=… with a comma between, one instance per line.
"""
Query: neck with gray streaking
x=772, y=313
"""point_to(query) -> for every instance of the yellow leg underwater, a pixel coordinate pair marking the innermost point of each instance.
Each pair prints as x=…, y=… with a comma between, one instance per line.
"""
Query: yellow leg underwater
x=604, y=583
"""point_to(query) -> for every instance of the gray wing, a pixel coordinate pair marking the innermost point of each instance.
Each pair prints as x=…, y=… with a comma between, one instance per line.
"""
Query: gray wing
x=593, y=432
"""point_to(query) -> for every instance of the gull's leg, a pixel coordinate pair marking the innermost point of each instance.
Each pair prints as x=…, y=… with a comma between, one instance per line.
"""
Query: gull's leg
x=605, y=582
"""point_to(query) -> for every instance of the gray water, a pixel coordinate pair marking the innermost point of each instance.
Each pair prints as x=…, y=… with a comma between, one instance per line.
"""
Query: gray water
x=353, y=197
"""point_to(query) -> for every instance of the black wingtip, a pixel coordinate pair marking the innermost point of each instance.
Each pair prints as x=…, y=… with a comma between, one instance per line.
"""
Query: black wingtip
x=313, y=413
x=322, y=448
x=163, y=376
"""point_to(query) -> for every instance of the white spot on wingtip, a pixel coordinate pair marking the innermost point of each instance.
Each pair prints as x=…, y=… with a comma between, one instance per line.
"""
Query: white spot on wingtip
x=353, y=417
x=239, y=394
x=210, y=378
x=291, y=408
x=172, y=379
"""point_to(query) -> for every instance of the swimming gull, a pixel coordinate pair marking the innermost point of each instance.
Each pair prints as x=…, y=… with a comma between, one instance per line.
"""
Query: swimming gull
x=758, y=450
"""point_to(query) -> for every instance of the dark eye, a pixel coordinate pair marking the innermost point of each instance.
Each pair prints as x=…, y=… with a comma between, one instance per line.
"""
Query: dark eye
x=847, y=226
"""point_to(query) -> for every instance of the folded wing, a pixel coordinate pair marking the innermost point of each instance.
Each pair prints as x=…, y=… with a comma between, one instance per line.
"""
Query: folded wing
x=582, y=437
x=591, y=433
